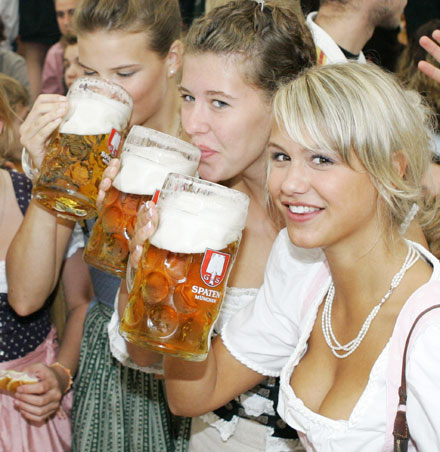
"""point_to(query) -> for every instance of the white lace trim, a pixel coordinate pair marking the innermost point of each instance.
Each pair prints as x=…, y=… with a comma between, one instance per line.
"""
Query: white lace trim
x=119, y=348
x=244, y=360
x=255, y=404
x=225, y=428
x=235, y=299
x=272, y=443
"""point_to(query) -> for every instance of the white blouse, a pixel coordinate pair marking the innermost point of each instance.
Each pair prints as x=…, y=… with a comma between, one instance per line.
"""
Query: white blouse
x=278, y=343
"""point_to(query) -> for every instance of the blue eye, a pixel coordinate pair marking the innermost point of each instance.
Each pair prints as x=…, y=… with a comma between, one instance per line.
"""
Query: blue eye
x=219, y=104
x=187, y=98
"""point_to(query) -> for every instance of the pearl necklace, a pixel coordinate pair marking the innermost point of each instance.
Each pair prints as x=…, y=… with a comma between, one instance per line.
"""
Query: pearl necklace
x=326, y=319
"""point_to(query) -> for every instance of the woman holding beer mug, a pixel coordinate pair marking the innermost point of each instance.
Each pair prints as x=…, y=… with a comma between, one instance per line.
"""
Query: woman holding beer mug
x=348, y=154
x=28, y=343
x=234, y=58
x=134, y=43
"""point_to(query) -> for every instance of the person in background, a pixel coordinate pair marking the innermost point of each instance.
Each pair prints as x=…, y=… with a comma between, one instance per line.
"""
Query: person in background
x=136, y=44
x=11, y=63
x=9, y=16
x=408, y=71
x=432, y=46
x=18, y=102
x=72, y=68
x=341, y=28
x=38, y=30
x=53, y=69
x=413, y=78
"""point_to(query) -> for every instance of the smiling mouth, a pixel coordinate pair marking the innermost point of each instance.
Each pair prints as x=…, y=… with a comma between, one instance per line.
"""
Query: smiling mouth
x=303, y=209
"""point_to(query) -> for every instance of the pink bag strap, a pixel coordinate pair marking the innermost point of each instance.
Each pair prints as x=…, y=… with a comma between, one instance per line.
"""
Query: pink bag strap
x=401, y=431
x=419, y=301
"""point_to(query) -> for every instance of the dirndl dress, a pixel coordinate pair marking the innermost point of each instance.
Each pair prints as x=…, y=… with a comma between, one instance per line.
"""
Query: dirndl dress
x=117, y=408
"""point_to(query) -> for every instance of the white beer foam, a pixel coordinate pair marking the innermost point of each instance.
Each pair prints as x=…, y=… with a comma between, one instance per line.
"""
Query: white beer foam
x=95, y=115
x=190, y=223
x=144, y=169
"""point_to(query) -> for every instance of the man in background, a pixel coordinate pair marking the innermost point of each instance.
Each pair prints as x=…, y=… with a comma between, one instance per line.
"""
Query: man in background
x=341, y=28
x=52, y=78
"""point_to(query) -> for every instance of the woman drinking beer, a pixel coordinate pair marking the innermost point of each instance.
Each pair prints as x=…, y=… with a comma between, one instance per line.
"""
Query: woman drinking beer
x=348, y=154
x=134, y=43
x=234, y=58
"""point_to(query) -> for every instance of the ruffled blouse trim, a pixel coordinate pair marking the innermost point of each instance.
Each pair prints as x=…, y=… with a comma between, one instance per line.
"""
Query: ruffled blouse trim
x=244, y=360
x=241, y=291
x=295, y=403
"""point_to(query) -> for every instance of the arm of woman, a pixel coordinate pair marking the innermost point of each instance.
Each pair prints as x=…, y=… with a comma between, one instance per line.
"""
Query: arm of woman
x=41, y=400
x=212, y=382
x=78, y=292
x=433, y=48
x=37, y=249
x=40, y=243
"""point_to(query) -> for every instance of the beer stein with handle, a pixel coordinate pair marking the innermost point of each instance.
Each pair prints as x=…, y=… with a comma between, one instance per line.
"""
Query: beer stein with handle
x=146, y=159
x=81, y=147
x=181, y=279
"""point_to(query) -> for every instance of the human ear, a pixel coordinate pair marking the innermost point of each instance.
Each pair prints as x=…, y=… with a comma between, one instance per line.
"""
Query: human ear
x=400, y=163
x=174, y=58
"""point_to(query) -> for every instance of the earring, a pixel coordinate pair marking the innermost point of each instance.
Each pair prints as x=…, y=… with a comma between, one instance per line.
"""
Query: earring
x=171, y=72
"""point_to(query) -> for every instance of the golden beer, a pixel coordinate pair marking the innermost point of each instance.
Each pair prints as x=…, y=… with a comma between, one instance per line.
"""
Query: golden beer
x=108, y=245
x=180, y=282
x=147, y=157
x=80, y=149
x=71, y=173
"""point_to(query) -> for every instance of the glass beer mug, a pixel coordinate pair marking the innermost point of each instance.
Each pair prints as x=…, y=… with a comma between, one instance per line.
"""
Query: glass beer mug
x=80, y=149
x=146, y=159
x=179, y=284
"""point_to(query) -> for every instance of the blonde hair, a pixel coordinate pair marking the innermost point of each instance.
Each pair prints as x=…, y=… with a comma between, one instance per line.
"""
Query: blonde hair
x=159, y=19
x=359, y=108
x=12, y=95
x=15, y=91
x=6, y=117
x=273, y=42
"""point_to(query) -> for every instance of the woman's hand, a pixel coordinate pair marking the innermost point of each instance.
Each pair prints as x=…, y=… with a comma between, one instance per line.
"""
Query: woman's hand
x=433, y=48
x=146, y=225
x=107, y=179
x=42, y=120
x=36, y=402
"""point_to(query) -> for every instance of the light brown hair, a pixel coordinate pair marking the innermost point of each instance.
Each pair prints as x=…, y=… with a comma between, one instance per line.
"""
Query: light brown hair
x=273, y=41
x=159, y=19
